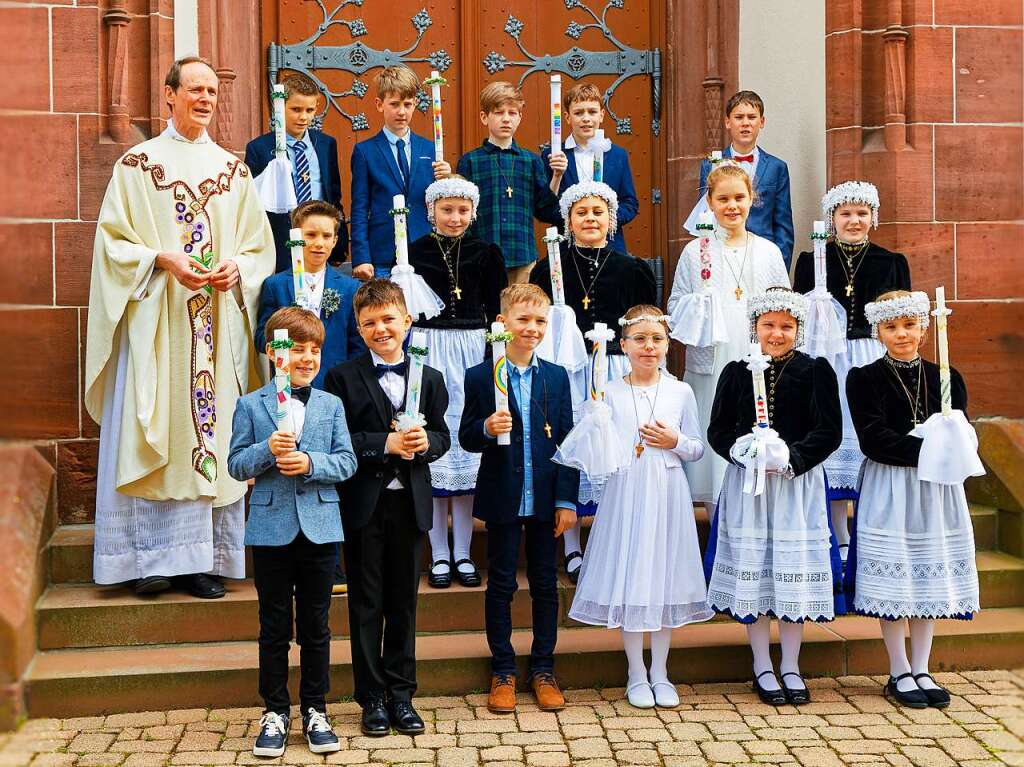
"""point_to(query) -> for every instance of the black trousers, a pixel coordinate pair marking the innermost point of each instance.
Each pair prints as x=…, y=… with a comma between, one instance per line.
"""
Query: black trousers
x=541, y=572
x=304, y=570
x=382, y=562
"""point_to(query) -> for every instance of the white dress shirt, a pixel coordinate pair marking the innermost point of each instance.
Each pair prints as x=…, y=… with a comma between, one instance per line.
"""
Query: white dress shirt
x=394, y=388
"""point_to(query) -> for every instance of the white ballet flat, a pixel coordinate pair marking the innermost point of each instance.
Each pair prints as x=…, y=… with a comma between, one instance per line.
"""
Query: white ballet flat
x=665, y=694
x=640, y=695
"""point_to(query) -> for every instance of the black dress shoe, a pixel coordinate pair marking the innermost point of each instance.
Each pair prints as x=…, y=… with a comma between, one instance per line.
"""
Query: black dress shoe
x=771, y=697
x=152, y=584
x=404, y=718
x=936, y=698
x=440, y=580
x=911, y=698
x=797, y=696
x=200, y=585
x=375, y=721
x=470, y=579
x=573, y=575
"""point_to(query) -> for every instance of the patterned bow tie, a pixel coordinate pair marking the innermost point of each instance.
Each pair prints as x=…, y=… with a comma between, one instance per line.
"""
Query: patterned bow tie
x=398, y=368
x=743, y=157
x=301, y=393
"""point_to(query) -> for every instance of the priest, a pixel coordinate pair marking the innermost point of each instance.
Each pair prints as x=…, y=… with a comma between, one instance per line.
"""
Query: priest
x=182, y=248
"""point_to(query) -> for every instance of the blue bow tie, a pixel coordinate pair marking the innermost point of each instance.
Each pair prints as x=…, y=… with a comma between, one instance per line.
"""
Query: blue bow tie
x=398, y=368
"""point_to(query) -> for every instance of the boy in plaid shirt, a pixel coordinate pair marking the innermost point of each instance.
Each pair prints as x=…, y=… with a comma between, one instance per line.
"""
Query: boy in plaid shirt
x=512, y=181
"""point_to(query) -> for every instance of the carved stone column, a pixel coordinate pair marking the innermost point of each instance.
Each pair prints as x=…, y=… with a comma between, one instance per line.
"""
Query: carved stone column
x=117, y=19
x=895, y=37
x=713, y=83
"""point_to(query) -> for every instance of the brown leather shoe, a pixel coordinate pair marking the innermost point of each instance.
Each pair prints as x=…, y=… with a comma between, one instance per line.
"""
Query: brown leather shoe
x=502, y=699
x=549, y=697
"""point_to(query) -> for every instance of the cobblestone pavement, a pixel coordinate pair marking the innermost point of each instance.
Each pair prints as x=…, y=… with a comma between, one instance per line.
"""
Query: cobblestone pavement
x=849, y=722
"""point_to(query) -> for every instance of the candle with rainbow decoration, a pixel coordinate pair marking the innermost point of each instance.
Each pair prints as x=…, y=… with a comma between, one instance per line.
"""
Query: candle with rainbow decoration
x=296, y=243
x=282, y=379
x=556, y=114
x=498, y=337
x=941, y=313
x=435, y=81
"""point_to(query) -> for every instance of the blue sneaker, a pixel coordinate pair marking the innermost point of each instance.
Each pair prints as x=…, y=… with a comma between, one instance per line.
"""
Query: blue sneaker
x=319, y=735
x=273, y=735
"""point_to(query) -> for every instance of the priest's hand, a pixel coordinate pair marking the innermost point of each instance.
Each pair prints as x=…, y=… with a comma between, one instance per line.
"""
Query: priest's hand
x=186, y=270
x=657, y=434
x=293, y=464
x=363, y=272
x=395, y=445
x=281, y=443
x=564, y=520
x=441, y=170
x=415, y=440
x=225, y=276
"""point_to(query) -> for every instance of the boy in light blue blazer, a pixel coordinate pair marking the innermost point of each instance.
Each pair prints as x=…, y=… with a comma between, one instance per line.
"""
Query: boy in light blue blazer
x=294, y=528
x=771, y=215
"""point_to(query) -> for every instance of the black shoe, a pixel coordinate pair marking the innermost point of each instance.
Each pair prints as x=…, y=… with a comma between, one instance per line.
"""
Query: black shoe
x=152, y=584
x=573, y=575
x=200, y=585
x=404, y=718
x=375, y=721
x=936, y=698
x=771, y=697
x=319, y=736
x=470, y=579
x=273, y=735
x=796, y=697
x=911, y=698
x=440, y=580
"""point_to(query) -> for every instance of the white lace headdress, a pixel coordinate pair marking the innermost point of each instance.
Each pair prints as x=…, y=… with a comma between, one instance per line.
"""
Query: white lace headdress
x=916, y=304
x=584, y=189
x=624, y=323
x=779, y=300
x=850, y=191
x=451, y=188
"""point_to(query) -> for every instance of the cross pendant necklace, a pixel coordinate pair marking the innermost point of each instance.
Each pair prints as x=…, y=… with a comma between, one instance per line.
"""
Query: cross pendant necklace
x=547, y=429
x=508, y=192
x=458, y=293
x=849, y=289
x=586, y=302
x=738, y=292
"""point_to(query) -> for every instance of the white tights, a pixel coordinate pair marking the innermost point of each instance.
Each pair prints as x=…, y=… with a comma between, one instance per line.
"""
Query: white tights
x=462, y=532
x=922, y=630
x=791, y=636
x=633, y=644
x=572, y=543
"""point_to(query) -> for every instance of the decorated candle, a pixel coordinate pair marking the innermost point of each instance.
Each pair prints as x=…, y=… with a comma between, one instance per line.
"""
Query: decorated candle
x=399, y=212
x=941, y=313
x=818, y=238
x=757, y=361
x=598, y=147
x=706, y=227
x=417, y=352
x=296, y=243
x=498, y=337
x=556, y=114
x=435, y=81
x=599, y=335
x=277, y=98
x=282, y=379
x=552, y=238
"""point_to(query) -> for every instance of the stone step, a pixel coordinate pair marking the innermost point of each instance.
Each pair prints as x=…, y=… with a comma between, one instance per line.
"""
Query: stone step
x=109, y=616
x=71, y=546
x=64, y=683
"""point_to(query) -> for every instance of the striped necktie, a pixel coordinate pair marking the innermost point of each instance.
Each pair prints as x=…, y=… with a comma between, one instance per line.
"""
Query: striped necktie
x=302, y=186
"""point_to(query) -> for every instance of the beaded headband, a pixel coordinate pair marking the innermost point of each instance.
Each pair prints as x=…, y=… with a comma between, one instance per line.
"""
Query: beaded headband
x=584, y=189
x=916, y=304
x=850, y=191
x=624, y=323
x=458, y=188
x=778, y=301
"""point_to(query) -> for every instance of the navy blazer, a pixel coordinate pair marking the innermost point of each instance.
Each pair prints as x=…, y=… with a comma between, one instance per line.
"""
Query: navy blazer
x=343, y=340
x=499, y=483
x=616, y=173
x=258, y=154
x=772, y=214
x=375, y=181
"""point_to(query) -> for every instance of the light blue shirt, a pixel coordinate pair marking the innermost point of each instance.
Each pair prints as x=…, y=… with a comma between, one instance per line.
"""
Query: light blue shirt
x=316, y=189
x=392, y=138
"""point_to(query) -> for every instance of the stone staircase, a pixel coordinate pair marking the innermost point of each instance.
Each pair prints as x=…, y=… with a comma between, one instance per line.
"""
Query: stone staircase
x=101, y=649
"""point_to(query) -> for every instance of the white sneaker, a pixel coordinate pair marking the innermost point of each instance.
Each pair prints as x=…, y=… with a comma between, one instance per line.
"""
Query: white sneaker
x=665, y=694
x=640, y=695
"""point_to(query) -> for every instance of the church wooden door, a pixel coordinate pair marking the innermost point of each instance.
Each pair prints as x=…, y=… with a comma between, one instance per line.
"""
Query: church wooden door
x=616, y=44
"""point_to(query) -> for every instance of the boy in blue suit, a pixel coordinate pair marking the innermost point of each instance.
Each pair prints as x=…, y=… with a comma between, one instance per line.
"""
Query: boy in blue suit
x=520, y=489
x=771, y=215
x=395, y=161
x=294, y=527
x=320, y=179
x=584, y=112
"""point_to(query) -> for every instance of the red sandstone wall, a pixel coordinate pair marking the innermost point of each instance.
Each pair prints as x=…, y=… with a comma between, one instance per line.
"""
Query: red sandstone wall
x=924, y=99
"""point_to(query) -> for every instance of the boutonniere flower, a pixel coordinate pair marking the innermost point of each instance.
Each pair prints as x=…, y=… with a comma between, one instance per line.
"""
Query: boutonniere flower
x=330, y=303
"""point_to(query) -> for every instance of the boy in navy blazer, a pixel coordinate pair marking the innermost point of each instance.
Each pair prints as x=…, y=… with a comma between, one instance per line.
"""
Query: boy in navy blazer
x=771, y=215
x=320, y=181
x=584, y=110
x=293, y=528
x=521, y=490
x=395, y=161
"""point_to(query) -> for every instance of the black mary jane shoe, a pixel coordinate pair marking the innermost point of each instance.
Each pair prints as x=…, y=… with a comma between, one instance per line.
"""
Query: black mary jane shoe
x=795, y=696
x=470, y=579
x=911, y=698
x=573, y=575
x=152, y=584
x=771, y=697
x=404, y=718
x=200, y=585
x=440, y=580
x=375, y=721
x=938, y=698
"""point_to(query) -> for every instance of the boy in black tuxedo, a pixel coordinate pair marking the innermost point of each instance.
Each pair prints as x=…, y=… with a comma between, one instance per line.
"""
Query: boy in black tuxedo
x=386, y=507
x=320, y=178
x=519, y=488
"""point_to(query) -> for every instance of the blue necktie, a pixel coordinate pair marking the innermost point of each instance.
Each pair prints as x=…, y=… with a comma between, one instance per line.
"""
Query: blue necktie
x=403, y=163
x=302, y=181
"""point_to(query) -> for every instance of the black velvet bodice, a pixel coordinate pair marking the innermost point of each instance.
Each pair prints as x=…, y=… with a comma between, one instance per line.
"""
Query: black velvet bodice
x=476, y=268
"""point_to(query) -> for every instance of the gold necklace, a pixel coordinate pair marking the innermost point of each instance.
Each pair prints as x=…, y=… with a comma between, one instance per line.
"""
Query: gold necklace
x=738, y=292
x=915, y=402
x=640, y=446
x=849, y=253
x=452, y=275
x=597, y=260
